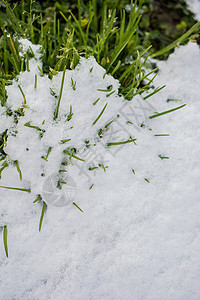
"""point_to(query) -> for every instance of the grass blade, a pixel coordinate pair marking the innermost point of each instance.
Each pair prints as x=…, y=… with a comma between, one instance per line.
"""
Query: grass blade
x=154, y=92
x=166, y=112
x=95, y=102
x=123, y=44
x=99, y=116
x=77, y=206
x=37, y=199
x=35, y=85
x=32, y=126
x=42, y=215
x=5, y=239
x=60, y=94
x=24, y=97
x=13, y=19
x=40, y=71
x=121, y=143
x=80, y=29
x=65, y=141
x=72, y=155
x=163, y=134
x=178, y=41
x=14, y=188
x=18, y=169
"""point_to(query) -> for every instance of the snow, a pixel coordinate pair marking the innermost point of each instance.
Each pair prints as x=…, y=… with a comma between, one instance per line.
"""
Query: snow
x=194, y=6
x=135, y=239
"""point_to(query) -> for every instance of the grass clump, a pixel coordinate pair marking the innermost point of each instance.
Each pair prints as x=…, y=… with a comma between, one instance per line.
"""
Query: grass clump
x=67, y=31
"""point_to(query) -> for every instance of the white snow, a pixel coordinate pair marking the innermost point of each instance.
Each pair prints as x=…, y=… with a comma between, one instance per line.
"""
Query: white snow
x=194, y=6
x=135, y=239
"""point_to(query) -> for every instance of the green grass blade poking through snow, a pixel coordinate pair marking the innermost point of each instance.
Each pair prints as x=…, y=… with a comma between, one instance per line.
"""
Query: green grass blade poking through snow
x=14, y=188
x=121, y=143
x=24, y=97
x=39, y=197
x=77, y=206
x=42, y=74
x=5, y=239
x=166, y=112
x=35, y=85
x=72, y=155
x=158, y=89
x=18, y=169
x=101, y=113
x=95, y=102
x=42, y=215
x=60, y=94
x=161, y=134
x=48, y=152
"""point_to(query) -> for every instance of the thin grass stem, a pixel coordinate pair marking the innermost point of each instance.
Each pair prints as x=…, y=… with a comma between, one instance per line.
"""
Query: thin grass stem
x=101, y=113
x=5, y=239
x=121, y=143
x=166, y=112
x=42, y=215
x=77, y=206
x=60, y=94
x=17, y=189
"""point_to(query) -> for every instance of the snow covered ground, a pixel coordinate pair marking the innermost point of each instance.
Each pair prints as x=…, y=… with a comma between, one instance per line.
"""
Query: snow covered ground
x=137, y=239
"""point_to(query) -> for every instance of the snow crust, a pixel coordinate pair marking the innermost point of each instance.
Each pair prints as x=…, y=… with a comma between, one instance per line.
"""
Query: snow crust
x=136, y=239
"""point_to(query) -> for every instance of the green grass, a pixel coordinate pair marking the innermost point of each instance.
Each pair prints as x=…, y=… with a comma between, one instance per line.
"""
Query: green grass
x=166, y=112
x=60, y=94
x=5, y=239
x=44, y=206
x=121, y=143
x=111, y=36
x=15, y=188
x=72, y=155
x=101, y=113
x=77, y=206
x=48, y=152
